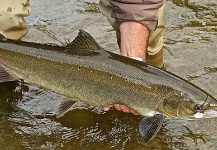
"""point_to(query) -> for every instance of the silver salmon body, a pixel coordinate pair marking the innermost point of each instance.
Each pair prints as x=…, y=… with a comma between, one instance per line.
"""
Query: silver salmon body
x=83, y=71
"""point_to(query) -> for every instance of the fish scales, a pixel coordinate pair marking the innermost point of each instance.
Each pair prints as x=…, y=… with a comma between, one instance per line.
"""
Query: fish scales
x=83, y=71
x=91, y=86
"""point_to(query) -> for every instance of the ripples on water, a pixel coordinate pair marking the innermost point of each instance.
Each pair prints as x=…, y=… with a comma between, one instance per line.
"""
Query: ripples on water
x=27, y=112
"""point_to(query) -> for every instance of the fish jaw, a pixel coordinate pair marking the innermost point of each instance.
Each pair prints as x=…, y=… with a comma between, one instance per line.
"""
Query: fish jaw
x=209, y=109
x=206, y=114
x=210, y=103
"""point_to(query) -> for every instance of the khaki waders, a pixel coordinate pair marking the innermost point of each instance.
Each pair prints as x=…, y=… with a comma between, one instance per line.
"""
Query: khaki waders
x=12, y=23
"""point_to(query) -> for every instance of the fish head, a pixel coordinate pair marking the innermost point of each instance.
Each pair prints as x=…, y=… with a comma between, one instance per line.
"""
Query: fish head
x=178, y=107
x=185, y=106
x=201, y=101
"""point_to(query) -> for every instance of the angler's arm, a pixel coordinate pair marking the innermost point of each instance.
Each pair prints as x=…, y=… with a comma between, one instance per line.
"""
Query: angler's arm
x=134, y=39
x=136, y=18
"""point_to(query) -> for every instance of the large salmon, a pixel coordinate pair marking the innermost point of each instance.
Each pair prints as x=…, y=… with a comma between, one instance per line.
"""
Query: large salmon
x=83, y=71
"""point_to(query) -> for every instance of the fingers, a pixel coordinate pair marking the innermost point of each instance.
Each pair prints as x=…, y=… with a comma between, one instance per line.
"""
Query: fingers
x=122, y=108
x=134, y=112
x=106, y=108
x=118, y=107
x=125, y=109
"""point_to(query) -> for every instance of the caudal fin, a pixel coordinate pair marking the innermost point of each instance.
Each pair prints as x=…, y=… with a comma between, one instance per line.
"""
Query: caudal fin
x=149, y=127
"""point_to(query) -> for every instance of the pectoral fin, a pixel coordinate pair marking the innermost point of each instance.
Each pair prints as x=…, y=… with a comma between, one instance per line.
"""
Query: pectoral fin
x=149, y=127
x=6, y=75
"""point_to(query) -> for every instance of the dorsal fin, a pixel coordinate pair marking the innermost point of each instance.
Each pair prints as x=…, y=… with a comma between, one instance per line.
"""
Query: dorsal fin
x=6, y=75
x=83, y=41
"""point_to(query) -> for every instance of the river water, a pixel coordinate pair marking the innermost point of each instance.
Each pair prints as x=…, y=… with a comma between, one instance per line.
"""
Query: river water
x=27, y=112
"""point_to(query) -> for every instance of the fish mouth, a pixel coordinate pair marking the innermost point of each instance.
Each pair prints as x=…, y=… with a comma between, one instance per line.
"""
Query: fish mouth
x=206, y=114
x=208, y=109
x=209, y=104
x=211, y=100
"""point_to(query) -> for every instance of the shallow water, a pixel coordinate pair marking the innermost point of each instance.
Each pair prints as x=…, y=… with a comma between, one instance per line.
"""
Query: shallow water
x=27, y=112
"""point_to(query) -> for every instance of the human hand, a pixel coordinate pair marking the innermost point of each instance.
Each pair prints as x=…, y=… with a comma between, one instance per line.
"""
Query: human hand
x=122, y=108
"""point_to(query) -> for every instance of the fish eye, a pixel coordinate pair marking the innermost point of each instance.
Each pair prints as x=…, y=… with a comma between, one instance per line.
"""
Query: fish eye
x=198, y=107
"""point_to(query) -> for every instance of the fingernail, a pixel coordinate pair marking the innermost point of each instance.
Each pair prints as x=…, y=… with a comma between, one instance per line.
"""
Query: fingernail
x=106, y=109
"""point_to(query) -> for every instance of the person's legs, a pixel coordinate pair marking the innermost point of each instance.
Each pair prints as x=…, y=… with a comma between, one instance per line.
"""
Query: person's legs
x=155, y=46
x=12, y=23
x=154, y=52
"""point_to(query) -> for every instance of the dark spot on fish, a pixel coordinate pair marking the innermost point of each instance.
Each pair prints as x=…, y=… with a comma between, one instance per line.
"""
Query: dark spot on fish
x=9, y=9
x=111, y=76
x=79, y=68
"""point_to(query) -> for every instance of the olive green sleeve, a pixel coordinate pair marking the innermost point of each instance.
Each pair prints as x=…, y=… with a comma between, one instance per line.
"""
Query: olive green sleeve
x=142, y=11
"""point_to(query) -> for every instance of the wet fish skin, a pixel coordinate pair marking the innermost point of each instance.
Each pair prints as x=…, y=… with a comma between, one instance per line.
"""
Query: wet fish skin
x=85, y=72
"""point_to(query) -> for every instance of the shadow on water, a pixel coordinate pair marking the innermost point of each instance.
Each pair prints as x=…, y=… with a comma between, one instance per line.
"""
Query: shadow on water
x=10, y=94
x=204, y=11
x=206, y=71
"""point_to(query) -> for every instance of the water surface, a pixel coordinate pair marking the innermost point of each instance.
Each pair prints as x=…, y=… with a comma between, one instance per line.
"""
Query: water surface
x=27, y=112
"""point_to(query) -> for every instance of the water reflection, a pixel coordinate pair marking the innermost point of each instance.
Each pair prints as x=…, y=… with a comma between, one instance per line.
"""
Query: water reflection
x=92, y=8
x=206, y=71
x=197, y=13
x=89, y=7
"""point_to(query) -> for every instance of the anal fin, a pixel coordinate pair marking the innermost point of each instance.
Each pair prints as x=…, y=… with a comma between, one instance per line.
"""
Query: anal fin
x=149, y=127
x=65, y=106
x=6, y=75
